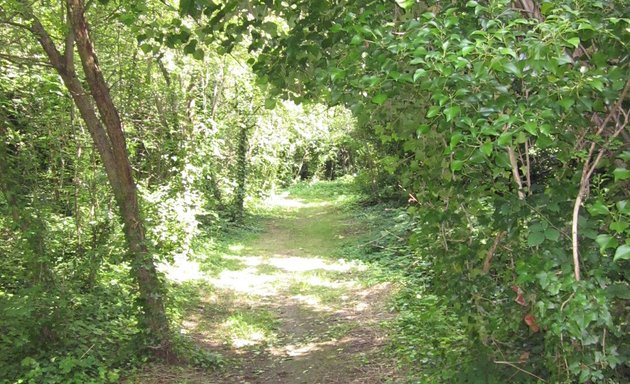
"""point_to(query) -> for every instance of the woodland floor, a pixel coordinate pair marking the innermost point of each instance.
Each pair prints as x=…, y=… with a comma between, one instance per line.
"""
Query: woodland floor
x=283, y=306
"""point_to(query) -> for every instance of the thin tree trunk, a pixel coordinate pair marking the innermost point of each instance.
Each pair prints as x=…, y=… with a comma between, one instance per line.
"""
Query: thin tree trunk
x=110, y=142
x=241, y=172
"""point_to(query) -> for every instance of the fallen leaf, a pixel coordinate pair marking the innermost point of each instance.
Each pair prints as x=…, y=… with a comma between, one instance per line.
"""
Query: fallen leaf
x=523, y=357
x=530, y=320
x=520, y=299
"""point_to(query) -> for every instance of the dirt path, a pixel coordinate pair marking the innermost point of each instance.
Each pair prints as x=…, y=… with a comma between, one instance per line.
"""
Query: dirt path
x=286, y=309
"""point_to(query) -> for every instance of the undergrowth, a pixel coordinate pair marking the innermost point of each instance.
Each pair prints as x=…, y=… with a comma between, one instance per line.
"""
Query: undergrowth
x=426, y=335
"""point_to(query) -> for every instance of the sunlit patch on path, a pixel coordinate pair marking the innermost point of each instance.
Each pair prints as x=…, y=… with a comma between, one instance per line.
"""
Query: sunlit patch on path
x=290, y=308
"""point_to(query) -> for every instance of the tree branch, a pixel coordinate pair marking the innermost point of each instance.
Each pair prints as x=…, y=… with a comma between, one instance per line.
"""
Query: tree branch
x=515, y=172
x=589, y=168
x=19, y=60
x=488, y=261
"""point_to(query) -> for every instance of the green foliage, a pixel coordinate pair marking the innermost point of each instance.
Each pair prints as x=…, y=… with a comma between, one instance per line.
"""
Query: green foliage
x=67, y=335
x=482, y=117
x=479, y=116
x=67, y=303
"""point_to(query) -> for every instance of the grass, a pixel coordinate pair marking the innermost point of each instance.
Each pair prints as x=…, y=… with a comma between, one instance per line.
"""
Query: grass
x=322, y=294
x=249, y=328
x=266, y=269
x=278, y=282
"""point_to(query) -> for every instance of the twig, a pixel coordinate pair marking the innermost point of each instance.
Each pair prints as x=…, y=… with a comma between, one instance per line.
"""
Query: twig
x=86, y=352
x=488, y=261
x=521, y=369
x=528, y=175
x=18, y=60
x=566, y=301
x=515, y=172
x=548, y=221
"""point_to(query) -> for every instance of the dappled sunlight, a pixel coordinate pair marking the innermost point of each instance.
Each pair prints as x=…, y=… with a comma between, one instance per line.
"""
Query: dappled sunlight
x=182, y=269
x=265, y=276
x=242, y=331
x=236, y=247
x=250, y=261
x=305, y=264
x=302, y=350
x=310, y=300
x=320, y=282
x=283, y=200
x=297, y=350
x=246, y=281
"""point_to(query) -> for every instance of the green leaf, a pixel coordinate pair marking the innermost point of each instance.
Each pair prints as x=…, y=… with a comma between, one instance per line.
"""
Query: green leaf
x=457, y=165
x=187, y=7
x=546, y=129
x=420, y=72
x=433, y=111
x=452, y=112
x=622, y=253
x=405, y=4
x=597, y=84
x=508, y=51
x=623, y=207
x=621, y=174
x=574, y=41
x=128, y=18
x=598, y=208
x=379, y=99
x=191, y=47
x=505, y=138
x=270, y=103
x=565, y=59
x=422, y=129
x=605, y=242
x=337, y=74
x=585, y=25
x=510, y=67
x=566, y=103
x=545, y=8
x=356, y=40
x=271, y=28
x=531, y=127
x=455, y=139
x=486, y=148
x=552, y=234
x=535, y=238
x=619, y=226
x=625, y=155
x=199, y=54
x=467, y=49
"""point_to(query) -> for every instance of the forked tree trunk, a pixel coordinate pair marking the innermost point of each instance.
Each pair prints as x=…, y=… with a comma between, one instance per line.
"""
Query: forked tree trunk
x=109, y=140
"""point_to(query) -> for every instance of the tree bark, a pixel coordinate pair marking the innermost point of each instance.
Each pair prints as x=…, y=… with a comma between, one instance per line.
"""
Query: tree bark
x=108, y=137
